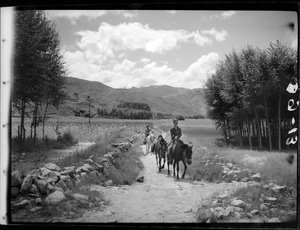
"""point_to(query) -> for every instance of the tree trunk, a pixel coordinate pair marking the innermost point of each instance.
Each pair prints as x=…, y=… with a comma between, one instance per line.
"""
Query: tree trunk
x=249, y=133
x=279, y=122
x=22, y=131
x=258, y=129
x=44, y=118
x=35, y=120
x=241, y=136
x=267, y=123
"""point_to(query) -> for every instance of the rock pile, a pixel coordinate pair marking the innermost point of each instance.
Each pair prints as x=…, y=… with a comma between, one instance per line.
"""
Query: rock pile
x=52, y=183
x=223, y=207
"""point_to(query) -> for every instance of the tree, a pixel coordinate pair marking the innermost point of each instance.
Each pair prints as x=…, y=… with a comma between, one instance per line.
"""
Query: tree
x=38, y=69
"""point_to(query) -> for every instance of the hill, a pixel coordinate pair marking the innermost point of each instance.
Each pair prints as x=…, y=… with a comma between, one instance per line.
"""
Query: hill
x=162, y=99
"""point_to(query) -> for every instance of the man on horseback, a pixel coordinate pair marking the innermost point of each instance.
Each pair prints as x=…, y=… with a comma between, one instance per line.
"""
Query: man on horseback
x=147, y=133
x=175, y=138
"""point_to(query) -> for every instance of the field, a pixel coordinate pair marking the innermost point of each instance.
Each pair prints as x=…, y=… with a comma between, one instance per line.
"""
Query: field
x=272, y=166
x=80, y=128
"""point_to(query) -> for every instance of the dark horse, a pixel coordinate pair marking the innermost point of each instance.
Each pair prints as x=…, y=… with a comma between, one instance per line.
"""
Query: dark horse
x=160, y=148
x=182, y=152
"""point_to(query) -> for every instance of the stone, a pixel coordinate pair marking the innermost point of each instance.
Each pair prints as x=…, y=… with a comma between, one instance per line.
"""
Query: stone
x=38, y=200
x=78, y=196
x=271, y=199
x=273, y=220
x=14, y=191
x=55, y=197
x=16, y=180
x=245, y=179
x=64, y=178
x=45, y=172
x=52, y=167
x=223, y=196
x=33, y=189
x=256, y=177
x=108, y=183
x=83, y=175
x=56, y=188
x=21, y=204
x=229, y=165
x=35, y=209
x=254, y=212
x=61, y=184
x=42, y=186
x=279, y=189
x=99, y=167
x=203, y=215
x=263, y=207
x=238, y=203
x=27, y=182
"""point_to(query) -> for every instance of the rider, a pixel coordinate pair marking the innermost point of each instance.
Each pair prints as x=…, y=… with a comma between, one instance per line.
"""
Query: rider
x=175, y=136
x=147, y=132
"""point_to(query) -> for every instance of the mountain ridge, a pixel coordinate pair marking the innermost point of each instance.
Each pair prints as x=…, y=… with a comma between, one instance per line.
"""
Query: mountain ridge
x=162, y=99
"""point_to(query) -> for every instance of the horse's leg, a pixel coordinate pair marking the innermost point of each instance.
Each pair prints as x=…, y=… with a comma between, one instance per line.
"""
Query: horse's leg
x=177, y=164
x=163, y=166
x=174, y=163
x=183, y=174
x=159, y=162
x=168, y=165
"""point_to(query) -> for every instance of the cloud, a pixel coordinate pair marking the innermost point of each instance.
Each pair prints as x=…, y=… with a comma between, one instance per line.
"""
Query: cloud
x=219, y=36
x=130, y=37
x=227, y=14
x=224, y=15
x=74, y=15
x=128, y=74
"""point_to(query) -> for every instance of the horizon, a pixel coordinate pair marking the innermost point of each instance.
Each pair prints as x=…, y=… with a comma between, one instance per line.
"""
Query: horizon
x=135, y=86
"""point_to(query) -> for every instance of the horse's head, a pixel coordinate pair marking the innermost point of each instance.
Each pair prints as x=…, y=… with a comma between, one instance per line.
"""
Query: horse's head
x=188, y=153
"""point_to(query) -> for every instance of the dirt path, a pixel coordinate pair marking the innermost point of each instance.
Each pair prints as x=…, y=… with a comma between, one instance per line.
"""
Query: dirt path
x=160, y=198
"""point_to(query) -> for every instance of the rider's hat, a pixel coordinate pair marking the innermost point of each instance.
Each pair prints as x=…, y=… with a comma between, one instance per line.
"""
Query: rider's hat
x=175, y=119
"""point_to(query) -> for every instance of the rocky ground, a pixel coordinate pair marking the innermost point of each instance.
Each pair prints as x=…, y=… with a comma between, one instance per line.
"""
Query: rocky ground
x=156, y=197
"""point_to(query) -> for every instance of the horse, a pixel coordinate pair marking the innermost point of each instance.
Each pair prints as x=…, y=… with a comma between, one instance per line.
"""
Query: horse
x=182, y=152
x=149, y=141
x=160, y=148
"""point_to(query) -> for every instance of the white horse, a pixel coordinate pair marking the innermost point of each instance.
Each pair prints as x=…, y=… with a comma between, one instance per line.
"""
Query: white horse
x=149, y=141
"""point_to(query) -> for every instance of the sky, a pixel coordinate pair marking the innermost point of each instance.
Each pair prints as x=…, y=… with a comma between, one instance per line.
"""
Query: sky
x=139, y=48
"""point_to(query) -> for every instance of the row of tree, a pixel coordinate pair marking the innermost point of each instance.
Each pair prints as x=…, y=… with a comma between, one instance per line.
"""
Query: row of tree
x=127, y=110
x=248, y=99
x=38, y=69
x=134, y=105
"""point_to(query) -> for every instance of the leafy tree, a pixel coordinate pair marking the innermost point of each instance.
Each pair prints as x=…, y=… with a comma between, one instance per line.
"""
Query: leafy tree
x=38, y=68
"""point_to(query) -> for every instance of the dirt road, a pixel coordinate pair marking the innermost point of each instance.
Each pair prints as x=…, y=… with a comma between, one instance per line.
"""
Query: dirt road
x=159, y=199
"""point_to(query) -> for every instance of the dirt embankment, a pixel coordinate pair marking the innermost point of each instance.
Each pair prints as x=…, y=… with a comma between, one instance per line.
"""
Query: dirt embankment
x=160, y=198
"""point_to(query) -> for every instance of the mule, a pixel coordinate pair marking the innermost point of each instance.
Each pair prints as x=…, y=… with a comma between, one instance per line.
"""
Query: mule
x=182, y=152
x=160, y=149
x=149, y=141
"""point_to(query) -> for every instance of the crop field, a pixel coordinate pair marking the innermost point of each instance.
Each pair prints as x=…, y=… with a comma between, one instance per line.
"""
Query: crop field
x=80, y=128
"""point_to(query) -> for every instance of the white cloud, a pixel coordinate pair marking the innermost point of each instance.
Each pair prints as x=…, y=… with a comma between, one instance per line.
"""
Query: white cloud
x=128, y=74
x=227, y=14
x=201, y=40
x=145, y=60
x=74, y=15
x=219, y=36
x=224, y=15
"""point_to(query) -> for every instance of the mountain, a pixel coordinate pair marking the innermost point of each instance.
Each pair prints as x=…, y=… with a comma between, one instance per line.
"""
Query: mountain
x=162, y=99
